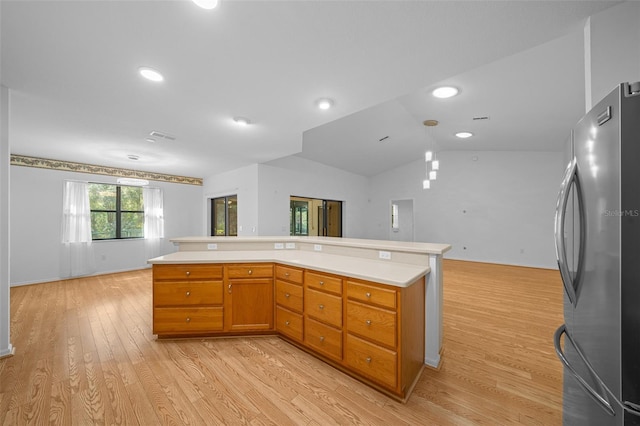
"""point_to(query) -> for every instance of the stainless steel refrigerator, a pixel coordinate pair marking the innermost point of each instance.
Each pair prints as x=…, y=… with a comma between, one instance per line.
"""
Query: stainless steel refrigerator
x=597, y=228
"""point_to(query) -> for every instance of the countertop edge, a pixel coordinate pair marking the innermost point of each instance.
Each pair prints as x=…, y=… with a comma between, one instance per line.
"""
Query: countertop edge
x=390, y=273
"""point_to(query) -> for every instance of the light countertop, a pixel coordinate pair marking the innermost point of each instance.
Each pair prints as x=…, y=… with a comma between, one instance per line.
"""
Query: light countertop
x=381, y=271
x=398, y=246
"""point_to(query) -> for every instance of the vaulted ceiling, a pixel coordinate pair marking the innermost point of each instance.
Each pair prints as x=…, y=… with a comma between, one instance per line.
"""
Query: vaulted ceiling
x=76, y=94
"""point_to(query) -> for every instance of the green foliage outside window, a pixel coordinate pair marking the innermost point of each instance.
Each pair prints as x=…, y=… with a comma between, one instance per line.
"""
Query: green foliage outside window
x=117, y=212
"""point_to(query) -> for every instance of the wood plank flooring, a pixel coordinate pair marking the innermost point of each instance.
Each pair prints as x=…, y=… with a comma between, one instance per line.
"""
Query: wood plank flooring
x=85, y=355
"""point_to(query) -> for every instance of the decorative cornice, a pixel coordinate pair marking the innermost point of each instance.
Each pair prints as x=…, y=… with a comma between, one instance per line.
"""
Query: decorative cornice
x=44, y=163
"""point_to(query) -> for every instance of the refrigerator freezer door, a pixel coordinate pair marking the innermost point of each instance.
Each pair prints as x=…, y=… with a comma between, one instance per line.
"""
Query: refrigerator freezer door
x=594, y=320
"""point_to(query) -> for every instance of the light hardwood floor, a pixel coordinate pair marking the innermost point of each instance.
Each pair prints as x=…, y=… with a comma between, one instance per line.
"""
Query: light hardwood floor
x=85, y=355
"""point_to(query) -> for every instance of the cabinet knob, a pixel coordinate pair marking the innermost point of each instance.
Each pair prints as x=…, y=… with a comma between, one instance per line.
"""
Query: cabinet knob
x=286, y=295
x=368, y=294
x=322, y=338
x=368, y=360
x=368, y=322
x=286, y=323
x=188, y=273
x=188, y=319
x=321, y=283
x=188, y=293
x=321, y=307
x=286, y=274
x=250, y=272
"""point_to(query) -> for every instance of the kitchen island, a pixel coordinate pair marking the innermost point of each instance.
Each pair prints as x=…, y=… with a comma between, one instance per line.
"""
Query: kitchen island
x=370, y=308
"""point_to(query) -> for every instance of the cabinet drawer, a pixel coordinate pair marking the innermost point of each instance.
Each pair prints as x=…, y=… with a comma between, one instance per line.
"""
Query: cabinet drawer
x=377, y=363
x=186, y=320
x=195, y=271
x=323, y=282
x=372, y=323
x=324, y=307
x=371, y=294
x=289, y=295
x=173, y=293
x=289, y=323
x=288, y=273
x=250, y=271
x=323, y=338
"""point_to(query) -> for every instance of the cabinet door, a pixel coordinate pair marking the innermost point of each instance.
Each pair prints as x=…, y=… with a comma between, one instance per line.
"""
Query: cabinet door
x=249, y=305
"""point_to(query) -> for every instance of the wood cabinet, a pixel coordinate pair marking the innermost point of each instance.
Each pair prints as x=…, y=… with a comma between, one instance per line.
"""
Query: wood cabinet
x=385, y=333
x=187, y=299
x=289, y=302
x=372, y=331
x=248, y=299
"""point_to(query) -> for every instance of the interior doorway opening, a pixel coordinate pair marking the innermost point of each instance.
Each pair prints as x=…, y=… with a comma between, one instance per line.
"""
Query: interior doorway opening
x=315, y=217
x=401, y=220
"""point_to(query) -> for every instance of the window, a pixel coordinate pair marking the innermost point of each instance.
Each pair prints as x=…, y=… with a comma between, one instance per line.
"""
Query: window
x=117, y=212
x=224, y=216
x=395, y=216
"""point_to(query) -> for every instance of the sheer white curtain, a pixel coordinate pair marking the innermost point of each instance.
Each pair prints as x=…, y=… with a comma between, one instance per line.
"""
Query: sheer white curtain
x=153, y=220
x=77, y=256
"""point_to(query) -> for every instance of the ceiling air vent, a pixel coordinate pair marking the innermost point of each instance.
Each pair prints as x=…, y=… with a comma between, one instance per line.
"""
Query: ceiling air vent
x=483, y=117
x=156, y=134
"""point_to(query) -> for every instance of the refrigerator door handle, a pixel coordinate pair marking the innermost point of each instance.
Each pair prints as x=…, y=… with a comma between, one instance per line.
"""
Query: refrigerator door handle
x=631, y=408
x=606, y=406
x=570, y=178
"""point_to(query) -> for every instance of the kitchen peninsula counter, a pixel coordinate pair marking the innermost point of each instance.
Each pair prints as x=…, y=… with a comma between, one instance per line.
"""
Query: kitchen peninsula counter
x=385, y=272
x=359, y=258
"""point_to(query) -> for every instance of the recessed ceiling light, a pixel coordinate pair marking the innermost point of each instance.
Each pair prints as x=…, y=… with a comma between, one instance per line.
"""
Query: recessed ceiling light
x=445, y=92
x=324, y=103
x=241, y=121
x=150, y=140
x=464, y=135
x=150, y=74
x=206, y=4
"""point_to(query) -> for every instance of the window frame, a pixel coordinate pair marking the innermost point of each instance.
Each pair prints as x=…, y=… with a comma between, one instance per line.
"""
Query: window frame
x=118, y=213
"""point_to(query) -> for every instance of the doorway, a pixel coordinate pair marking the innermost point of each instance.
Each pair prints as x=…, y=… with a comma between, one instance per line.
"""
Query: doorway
x=315, y=217
x=401, y=220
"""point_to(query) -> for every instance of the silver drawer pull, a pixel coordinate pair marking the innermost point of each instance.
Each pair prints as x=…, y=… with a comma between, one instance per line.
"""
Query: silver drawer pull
x=368, y=294
x=322, y=338
x=250, y=272
x=188, y=273
x=286, y=295
x=286, y=323
x=321, y=283
x=368, y=322
x=286, y=274
x=321, y=307
x=188, y=319
x=368, y=360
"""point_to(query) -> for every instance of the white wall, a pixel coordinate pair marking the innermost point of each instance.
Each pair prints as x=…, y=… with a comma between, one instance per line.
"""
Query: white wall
x=612, y=48
x=36, y=218
x=497, y=208
x=280, y=179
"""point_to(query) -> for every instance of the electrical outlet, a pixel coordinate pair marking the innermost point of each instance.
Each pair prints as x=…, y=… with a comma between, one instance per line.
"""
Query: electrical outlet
x=278, y=246
x=212, y=246
x=384, y=255
x=317, y=247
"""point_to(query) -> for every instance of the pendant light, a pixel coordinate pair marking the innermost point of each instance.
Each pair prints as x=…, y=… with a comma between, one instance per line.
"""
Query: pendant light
x=432, y=164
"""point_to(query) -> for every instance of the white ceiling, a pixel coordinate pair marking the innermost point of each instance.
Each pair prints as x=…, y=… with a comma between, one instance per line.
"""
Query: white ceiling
x=76, y=95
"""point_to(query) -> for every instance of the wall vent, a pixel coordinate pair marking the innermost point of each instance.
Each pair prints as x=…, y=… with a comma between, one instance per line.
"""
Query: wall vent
x=483, y=117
